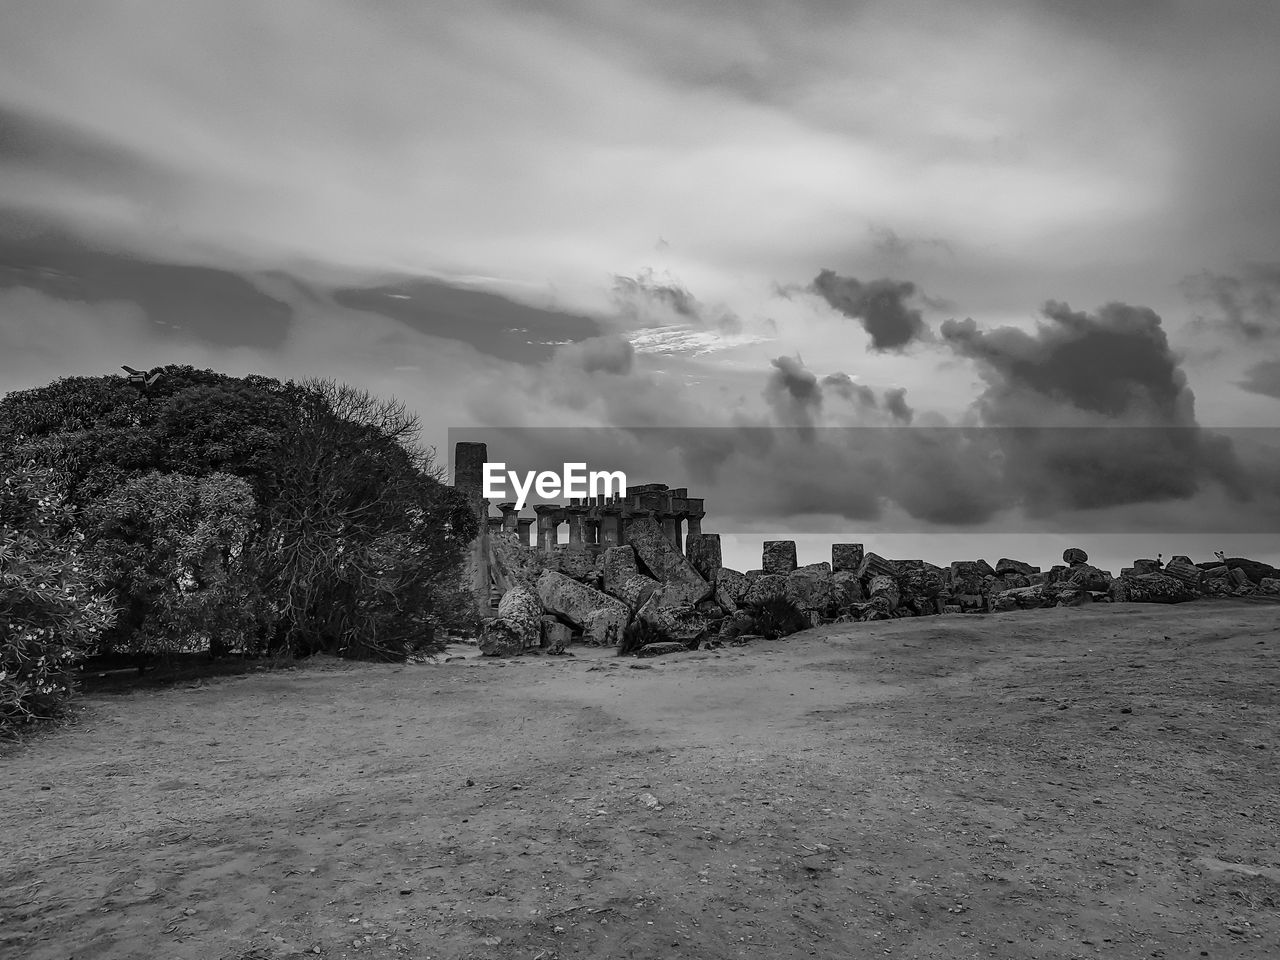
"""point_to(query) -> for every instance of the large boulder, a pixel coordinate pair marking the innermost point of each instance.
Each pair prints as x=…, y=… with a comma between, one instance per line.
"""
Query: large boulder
x=617, y=564
x=846, y=556
x=1150, y=588
x=601, y=618
x=765, y=588
x=873, y=564
x=665, y=563
x=810, y=590
x=672, y=621
x=1181, y=568
x=1023, y=598
x=968, y=577
x=514, y=563
x=518, y=625
x=1006, y=567
x=703, y=553
x=1074, y=555
x=1086, y=577
x=730, y=588
x=574, y=560
x=556, y=634
x=883, y=592
x=1269, y=585
x=846, y=589
x=778, y=556
x=1253, y=569
x=1143, y=567
x=635, y=590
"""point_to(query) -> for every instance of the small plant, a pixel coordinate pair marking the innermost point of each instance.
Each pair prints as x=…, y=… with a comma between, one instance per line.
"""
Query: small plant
x=779, y=617
x=638, y=633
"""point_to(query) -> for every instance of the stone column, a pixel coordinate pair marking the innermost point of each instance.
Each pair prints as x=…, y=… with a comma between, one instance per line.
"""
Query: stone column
x=577, y=515
x=611, y=526
x=548, y=523
x=510, y=517
x=524, y=523
x=703, y=551
x=695, y=507
x=468, y=478
x=671, y=528
x=778, y=556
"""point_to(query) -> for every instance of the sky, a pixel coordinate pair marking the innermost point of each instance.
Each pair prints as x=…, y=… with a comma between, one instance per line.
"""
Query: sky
x=819, y=233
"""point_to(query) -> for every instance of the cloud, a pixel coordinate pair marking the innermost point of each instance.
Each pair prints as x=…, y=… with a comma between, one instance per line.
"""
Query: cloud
x=880, y=306
x=610, y=353
x=1116, y=364
x=1263, y=378
x=793, y=392
x=1247, y=303
x=844, y=385
x=895, y=401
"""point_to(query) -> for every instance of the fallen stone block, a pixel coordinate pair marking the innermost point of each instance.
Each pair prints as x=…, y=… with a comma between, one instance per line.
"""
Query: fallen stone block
x=730, y=588
x=601, y=618
x=635, y=590
x=882, y=591
x=1269, y=585
x=1073, y=555
x=1005, y=566
x=1150, y=588
x=873, y=565
x=556, y=635
x=1183, y=569
x=618, y=564
x=665, y=563
x=513, y=563
x=703, y=553
x=767, y=587
x=672, y=622
x=517, y=627
x=811, y=592
x=846, y=589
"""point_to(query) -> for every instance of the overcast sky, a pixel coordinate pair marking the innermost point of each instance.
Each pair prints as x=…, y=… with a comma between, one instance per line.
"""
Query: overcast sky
x=793, y=214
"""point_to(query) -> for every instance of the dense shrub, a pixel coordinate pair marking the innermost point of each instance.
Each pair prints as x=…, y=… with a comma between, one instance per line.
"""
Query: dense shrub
x=779, y=617
x=172, y=549
x=50, y=611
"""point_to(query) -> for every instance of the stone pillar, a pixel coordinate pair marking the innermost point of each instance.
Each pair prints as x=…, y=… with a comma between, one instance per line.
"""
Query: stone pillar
x=695, y=506
x=548, y=524
x=671, y=528
x=611, y=526
x=510, y=517
x=468, y=478
x=703, y=551
x=779, y=556
x=524, y=523
x=846, y=556
x=591, y=531
x=577, y=515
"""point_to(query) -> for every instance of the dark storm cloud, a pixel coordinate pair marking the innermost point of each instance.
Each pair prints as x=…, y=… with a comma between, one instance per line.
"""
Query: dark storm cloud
x=879, y=306
x=844, y=385
x=1116, y=362
x=1263, y=378
x=644, y=298
x=201, y=304
x=895, y=401
x=1247, y=303
x=491, y=323
x=1101, y=411
x=793, y=392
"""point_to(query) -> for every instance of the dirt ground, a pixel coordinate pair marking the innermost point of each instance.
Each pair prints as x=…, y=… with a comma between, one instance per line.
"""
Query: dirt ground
x=1059, y=783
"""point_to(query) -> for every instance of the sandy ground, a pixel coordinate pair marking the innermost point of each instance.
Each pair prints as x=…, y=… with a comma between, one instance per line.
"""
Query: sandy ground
x=1059, y=783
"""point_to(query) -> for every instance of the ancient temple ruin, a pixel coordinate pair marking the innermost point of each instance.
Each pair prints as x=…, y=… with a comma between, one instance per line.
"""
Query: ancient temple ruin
x=594, y=524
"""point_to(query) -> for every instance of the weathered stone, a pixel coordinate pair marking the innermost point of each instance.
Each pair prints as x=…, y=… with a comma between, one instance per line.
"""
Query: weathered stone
x=703, y=552
x=967, y=577
x=661, y=648
x=1240, y=577
x=820, y=569
x=811, y=591
x=752, y=574
x=502, y=638
x=1013, y=581
x=770, y=586
x=883, y=590
x=1181, y=568
x=737, y=623
x=778, y=556
x=573, y=560
x=710, y=609
x=1269, y=585
x=730, y=588
x=846, y=589
x=1143, y=567
x=635, y=590
x=665, y=563
x=874, y=565
x=618, y=564
x=1055, y=573
x=1086, y=577
x=1150, y=588
x=1221, y=570
x=1073, y=555
x=512, y=563
x=1006, y=567
x=671, y=621
x=846, y=556
x=555, y=634
x=601, y=618
x=518, y=625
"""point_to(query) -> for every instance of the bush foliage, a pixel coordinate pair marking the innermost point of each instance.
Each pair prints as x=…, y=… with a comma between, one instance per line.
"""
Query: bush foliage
x=50, y=609
x=221, y=513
